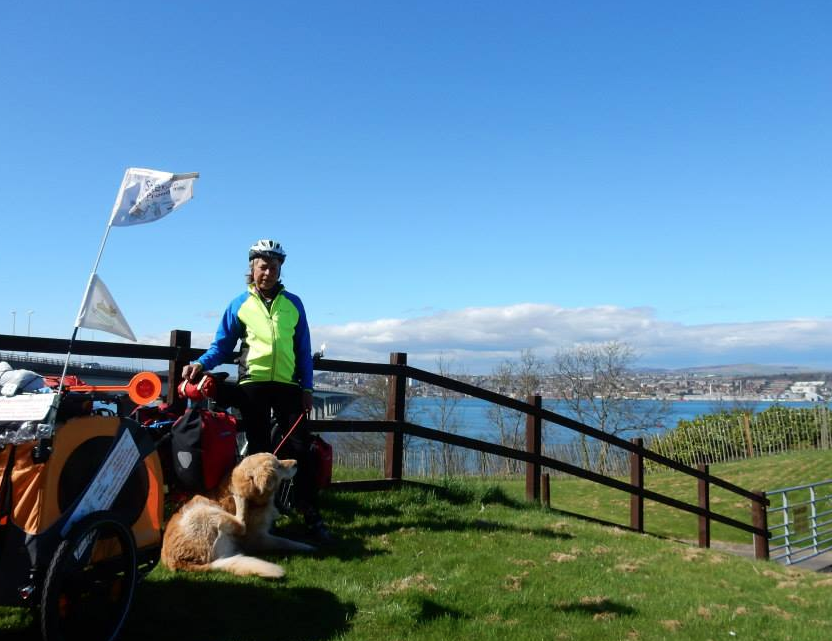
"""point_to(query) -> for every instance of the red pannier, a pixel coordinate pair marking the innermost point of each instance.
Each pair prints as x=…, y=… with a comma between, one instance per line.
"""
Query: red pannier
x=322, y=452
x=203, y=447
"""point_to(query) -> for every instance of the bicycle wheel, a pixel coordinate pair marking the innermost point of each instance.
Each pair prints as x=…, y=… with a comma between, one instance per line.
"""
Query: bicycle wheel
x=90, y=582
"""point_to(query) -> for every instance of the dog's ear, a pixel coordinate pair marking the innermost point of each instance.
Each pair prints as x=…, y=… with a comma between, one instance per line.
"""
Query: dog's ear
x=265, y=479
x=242, y=481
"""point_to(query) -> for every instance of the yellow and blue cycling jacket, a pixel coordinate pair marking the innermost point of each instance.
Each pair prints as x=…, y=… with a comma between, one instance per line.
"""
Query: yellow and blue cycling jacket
x=275, y=340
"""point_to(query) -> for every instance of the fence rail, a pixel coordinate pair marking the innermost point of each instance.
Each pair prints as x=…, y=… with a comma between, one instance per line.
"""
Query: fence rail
x=395, y=427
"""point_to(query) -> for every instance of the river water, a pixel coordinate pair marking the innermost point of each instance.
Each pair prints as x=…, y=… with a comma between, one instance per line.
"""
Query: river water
x=470, y=415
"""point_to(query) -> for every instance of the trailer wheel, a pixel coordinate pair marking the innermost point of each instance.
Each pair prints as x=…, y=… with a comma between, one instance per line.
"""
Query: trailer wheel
x=90, y=582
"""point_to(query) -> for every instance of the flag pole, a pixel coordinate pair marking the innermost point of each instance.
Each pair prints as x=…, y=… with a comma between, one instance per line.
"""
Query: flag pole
x=90, y=280
x=169, y=180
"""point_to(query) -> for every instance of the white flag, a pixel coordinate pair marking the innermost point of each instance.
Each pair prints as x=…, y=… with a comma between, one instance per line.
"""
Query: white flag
x=147, y=195
x=100, y=311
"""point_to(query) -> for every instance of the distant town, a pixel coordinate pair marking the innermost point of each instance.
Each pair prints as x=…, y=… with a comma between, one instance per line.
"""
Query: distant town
x=670, y=386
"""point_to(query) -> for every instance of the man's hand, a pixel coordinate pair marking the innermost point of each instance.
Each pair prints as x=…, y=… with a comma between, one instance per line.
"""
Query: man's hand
x=307, y=401
x=191, y=372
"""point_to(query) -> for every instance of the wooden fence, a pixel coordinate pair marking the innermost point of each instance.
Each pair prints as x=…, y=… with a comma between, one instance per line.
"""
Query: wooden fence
x=395, y=427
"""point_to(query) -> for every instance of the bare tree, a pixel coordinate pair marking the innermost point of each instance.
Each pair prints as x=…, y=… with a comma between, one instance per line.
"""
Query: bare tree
x=372, y=405
x=592, y=381
x=519, y=379
x=443, y=416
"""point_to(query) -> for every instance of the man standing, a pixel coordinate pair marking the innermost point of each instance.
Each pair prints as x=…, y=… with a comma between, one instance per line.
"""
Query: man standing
x=275, y=369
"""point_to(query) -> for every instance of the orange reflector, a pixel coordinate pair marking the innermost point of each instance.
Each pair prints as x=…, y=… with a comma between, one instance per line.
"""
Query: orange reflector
x=142, y=389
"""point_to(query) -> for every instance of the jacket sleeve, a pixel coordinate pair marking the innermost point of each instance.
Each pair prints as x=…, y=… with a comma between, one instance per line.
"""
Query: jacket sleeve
x=303, y=350
x=228, y=333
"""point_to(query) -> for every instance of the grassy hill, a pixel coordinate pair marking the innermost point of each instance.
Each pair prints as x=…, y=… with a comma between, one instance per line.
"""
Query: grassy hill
x=469, y=561
x=767, y=473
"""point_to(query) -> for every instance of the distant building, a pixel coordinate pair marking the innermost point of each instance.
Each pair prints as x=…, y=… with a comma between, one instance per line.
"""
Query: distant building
x=808, y=390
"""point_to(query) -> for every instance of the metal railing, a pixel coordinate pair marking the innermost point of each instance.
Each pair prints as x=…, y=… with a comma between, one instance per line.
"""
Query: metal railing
x=805, y=530
x=58, y=362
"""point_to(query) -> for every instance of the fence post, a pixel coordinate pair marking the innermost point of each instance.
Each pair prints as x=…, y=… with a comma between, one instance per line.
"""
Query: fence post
x=759, y=520
x=533, y=442
x=824, y=429
x=394, y=444
x=181, y=339
x=705, y=504
x=637, y=479
x=749, y=442
x=545, y=490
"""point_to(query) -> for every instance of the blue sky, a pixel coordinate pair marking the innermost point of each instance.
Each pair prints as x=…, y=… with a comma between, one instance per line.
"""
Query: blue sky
x=468, y=178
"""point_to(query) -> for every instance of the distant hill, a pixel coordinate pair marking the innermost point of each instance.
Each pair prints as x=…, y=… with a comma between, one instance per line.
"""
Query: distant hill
x=740, y=369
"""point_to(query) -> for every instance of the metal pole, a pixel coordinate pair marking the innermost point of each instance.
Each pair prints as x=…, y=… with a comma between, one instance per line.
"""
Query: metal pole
x=786, y=529
x=89, y=282
x=14, y=321
x=814, y=512
x=29, y=327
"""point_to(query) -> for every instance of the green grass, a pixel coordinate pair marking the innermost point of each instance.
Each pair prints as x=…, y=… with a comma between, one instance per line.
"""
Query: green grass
x=767, y=473
x=471, y=561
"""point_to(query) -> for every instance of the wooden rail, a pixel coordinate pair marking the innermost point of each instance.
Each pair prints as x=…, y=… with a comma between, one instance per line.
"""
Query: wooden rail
x=180, y=352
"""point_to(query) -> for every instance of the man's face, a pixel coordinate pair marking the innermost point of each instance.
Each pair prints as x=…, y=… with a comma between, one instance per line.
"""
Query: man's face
x=265, y=273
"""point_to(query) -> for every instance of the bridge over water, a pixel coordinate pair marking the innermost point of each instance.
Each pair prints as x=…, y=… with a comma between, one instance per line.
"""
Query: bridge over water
x=327, y=401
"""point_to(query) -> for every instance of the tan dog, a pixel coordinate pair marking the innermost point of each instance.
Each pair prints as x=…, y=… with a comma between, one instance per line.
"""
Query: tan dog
x=212, y=535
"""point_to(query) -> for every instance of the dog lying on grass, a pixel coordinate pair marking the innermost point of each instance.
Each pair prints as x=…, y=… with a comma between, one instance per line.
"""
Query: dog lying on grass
x=207, y=534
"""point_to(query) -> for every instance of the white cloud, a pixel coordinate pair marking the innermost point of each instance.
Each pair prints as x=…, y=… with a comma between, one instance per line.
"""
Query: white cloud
x=479, y=337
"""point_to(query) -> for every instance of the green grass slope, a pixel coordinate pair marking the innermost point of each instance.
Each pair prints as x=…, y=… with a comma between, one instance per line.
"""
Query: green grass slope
x=470, y=563
x=766, y=473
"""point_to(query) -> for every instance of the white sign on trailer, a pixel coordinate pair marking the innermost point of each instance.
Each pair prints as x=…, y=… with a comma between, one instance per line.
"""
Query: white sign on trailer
x=25, y=407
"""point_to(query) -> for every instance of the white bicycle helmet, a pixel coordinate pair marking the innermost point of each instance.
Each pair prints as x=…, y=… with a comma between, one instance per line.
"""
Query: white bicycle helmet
x=267, y=249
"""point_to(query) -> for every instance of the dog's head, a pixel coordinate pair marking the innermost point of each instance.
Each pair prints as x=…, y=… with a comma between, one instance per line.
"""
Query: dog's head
x=256, y=477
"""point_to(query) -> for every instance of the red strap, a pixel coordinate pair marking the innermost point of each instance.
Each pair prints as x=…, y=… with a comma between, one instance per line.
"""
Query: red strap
x=288, y=434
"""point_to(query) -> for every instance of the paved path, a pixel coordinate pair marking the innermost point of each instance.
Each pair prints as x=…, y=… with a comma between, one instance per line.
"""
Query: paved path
x=820, y=563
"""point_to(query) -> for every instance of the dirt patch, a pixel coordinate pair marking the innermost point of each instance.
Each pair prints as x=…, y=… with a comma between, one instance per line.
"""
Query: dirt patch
x=559, y=526
x=773, y=609
x=692, y=554
x=495, y=617
x=787, y=585
x=671, y=625
x=560, y=557
x=594, y=600
x=417, y=582
x=514, y=583
x=604, y=616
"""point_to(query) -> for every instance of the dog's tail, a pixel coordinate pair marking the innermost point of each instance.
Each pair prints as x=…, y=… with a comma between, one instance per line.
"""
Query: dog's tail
x=243, y=565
